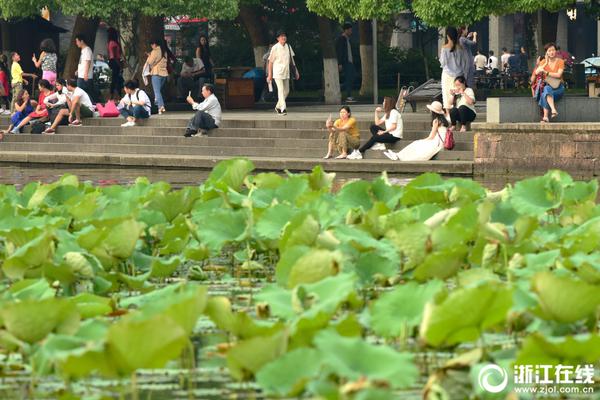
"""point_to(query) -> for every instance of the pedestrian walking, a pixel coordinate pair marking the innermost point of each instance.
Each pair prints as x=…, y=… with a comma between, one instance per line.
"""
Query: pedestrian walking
x=346, y=60
x=157, y=64
x=282, y=68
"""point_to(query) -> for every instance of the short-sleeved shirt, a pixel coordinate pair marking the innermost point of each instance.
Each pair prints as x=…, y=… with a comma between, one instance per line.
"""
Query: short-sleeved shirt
x=480, y=62
x=86, y=55
x=493, y=62
x=395, y=118
x=197, y=65
x=558, y=65
x=114, y=50
x=84, y=98
x=16, y=72
x=352, y=130
x=49, y=62
x=461, y=101
x=280, y=57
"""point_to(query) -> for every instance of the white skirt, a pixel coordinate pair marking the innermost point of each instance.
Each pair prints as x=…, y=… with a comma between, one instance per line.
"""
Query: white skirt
x=447, y=86
x=424, y=149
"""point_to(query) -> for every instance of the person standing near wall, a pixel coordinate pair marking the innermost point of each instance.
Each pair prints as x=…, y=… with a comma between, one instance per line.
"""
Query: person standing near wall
x=282, y=68
x=47, y=61
x=85, y=68
x=115, y=61
x=157, y=63
x=346, y=59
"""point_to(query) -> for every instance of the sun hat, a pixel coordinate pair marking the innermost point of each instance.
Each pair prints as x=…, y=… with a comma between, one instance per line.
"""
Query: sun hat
x=436, y=107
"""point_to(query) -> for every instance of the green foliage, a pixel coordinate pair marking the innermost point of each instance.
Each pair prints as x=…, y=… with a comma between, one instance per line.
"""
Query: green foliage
x=93, y=278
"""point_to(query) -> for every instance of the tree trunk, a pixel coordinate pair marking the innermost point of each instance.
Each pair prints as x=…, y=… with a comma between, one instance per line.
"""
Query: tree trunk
x=366, y=57
x=421, y=43
x=386, y=30
x=331, y=81
x=148, y=28
x=88, y=28
x=5, y=32
x=257, y=30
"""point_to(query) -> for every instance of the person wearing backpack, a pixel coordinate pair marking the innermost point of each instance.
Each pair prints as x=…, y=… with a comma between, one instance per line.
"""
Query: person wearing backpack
x=134, y=105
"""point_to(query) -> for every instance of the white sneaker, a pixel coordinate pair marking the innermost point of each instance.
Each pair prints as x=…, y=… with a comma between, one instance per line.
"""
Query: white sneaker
x=391, y=155
x=128, y=123
x=6, y=112
x=356, y=155
x=379, y=146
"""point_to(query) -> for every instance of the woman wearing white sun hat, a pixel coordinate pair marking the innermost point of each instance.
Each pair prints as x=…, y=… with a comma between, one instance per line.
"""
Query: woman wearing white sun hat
x=425, y=149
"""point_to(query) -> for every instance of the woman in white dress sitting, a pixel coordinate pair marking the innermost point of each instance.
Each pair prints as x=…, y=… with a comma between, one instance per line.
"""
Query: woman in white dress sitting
x=425, y=149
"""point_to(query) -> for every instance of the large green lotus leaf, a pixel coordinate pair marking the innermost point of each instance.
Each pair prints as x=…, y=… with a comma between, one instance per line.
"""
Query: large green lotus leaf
x=569, y=350
x=534, y=263
x=247, y=357
x=426, y=188
x=587, y=266
x=33, y=320
x=85, y=207
x=564, y=299
x=325, y=295
x=385, y=192
x=155, y=296
x=133, y=344
x=371, y=265
x=292, y=189
x=441, y=264
x=163, y=268
x=42, y=191
x=122, y=238
x=175, y=237
x=78, y=264
x=221, y=226
x=62, y=195
x=465, y=313
x=402, y=308
x=364, y=242
x=320, y=180
x=173, y=204
x=230, y=173
x=314, y=266
x=273, y=220
x=265, y=180
x=90, y=305
x=20, y=237
x=55, y=350
x=465, y=191
x=458, y=229
x=196, y=252
x=580, y=192
x=584, y=238
x=302, y=230
x=32, y=255
x=355, y=194
x=411, y=240
x=354, y=358
x=218, y=309
x=30, y=289
x=288, y=375
x=304, y=329
x=183, y=306
x=536, y=196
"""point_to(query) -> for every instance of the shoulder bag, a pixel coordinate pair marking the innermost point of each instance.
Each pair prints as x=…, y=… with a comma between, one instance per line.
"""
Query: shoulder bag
x=553, y=82
x=293, y=69
x=449, y=141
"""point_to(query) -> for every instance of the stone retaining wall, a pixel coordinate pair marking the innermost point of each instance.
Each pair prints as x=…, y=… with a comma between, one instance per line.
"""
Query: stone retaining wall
x=527, y=149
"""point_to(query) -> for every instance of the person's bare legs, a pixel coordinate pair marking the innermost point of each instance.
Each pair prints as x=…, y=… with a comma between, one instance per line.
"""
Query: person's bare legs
x=78, y=111
x=61, y=114
x=550, y=100
x=545, y=118
x=330, y=146
x=24, y=122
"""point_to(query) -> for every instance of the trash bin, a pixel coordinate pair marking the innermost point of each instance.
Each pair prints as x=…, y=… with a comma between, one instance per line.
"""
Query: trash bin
x=258, y=75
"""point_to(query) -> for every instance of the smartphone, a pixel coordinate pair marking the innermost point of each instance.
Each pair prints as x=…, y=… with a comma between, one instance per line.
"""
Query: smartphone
x=189, y=93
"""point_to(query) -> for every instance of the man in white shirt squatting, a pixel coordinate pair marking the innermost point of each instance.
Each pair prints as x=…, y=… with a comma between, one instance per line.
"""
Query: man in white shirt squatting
x=208, y=113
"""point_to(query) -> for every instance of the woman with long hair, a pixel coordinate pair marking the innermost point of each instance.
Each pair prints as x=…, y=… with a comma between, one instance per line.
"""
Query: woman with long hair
x=41, y=111
x=426, y=149
x=115, y=60
x=157, y=63
x=47, y=61
x=203, y=53
x=23, y=107
x=547, y=83
x=464, y=104
x=454, y=62
x=4, y=86
x=392, y=120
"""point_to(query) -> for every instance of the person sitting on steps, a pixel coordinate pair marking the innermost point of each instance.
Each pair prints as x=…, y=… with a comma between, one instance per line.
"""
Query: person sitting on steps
x=79, y=106
x=208, y=112
x=464, y=104
x=41, y=112
x=343, y=134
x=393, y=127
x=134, y=105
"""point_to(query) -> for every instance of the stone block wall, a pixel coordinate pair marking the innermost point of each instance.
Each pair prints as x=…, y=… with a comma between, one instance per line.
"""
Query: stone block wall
x=528, y=149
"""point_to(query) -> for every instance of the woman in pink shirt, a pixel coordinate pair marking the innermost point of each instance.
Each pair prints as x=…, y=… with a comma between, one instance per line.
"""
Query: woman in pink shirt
x=115, y=60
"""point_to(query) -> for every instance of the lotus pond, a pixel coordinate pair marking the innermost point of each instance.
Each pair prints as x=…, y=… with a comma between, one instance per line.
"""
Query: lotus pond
x=270, y=286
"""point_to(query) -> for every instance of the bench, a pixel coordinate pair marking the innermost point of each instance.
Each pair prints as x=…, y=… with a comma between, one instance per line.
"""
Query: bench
x=526, y=109
x=427, y=92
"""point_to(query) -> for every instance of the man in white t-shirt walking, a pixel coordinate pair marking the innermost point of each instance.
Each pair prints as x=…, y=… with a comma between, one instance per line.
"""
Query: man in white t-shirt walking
x=85, y=68
x=281, y=59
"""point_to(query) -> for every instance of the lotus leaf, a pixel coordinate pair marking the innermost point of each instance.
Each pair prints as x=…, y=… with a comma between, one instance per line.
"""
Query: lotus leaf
x=220, y=227
x=247, y=357
x=230, y=173
x=536, y=196
x=569, y=350
x=302, y=230
x=426, y=188
x=564, y=299
x=30, y=256
x=273, y=220
x=314, y=266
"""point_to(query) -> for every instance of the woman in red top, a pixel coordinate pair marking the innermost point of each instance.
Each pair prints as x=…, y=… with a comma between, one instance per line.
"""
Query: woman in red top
x=548, y=73
x=115, y=57
x=4, y=87
x=40, y=112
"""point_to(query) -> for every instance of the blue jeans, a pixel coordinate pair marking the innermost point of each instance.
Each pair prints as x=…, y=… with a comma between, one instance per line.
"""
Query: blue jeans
x=548, y=91
x=136, y=112
x=157, y=83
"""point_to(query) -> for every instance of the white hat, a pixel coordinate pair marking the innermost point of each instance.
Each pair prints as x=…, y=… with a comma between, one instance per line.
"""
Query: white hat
x=436, y=107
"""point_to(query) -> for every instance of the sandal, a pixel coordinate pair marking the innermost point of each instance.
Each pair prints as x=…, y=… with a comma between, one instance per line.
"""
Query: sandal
x=327, y=156
x=341, y=156
x=544, y=121
x=554, y=115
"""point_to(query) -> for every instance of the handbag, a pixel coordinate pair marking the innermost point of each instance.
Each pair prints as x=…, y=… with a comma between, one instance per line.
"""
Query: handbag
x=108, y=110
x=293, y=69
x=553, y=82
x=449, y=140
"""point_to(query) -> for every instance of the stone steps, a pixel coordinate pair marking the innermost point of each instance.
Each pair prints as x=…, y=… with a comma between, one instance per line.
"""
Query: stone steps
x=211, y=140
x=462, y=168
x=277, y=152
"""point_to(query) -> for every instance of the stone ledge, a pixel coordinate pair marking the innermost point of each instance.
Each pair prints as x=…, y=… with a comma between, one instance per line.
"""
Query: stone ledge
x=525, y=109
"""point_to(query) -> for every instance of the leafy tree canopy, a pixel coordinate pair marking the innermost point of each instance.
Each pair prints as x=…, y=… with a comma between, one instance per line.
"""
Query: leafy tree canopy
x=357, y=9
x=214, y=9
